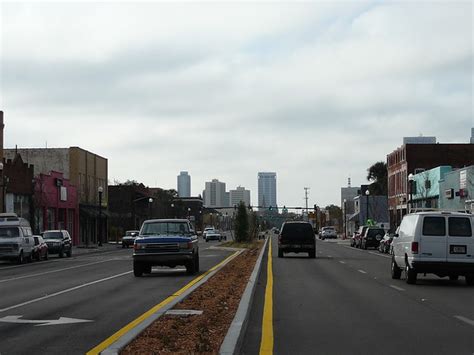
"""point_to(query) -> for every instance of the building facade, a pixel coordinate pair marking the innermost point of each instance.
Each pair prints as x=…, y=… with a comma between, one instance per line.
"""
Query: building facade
x=184, y=184
x=425, y=191
x=240, y=194
x=267, y=190
x=86, y=170
x=457, y=190
x=215, y=194
x=416, y=158
x=56, y=204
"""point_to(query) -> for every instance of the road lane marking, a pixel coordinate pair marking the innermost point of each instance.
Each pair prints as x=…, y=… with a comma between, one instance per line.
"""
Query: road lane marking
x=53, y=271
x=342, y=262
x=117, y=335
x=43, y=323
x=266, y=344
x=362, y=271
x=397, y=288
x=465, y=320
x=63, y=292
x=329, y=256
x=378, y=254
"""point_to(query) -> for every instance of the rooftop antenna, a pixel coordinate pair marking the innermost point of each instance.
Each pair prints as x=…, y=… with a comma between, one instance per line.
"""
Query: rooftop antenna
x=348, y=182
x=306, y=198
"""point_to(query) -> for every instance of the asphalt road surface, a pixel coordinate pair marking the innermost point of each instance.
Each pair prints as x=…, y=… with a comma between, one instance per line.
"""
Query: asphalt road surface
x=345, y=302
x=70, y=305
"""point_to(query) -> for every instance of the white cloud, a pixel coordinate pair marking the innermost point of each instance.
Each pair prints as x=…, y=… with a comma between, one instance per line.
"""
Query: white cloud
x=313, y=91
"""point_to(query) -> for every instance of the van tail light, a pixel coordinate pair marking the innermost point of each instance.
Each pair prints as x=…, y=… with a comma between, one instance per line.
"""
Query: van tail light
x=414, y=247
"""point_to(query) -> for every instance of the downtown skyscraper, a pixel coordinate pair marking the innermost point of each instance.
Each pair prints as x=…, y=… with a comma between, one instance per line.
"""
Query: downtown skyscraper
x=184, y=184
x=267, y=192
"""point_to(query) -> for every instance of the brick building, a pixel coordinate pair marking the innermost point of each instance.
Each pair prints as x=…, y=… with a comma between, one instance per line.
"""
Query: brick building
x=86, y=170
x=415, y=158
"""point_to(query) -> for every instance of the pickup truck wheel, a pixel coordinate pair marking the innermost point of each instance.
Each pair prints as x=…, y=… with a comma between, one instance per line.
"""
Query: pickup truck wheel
x=470, y=280
x=395, y=270
x=197, y=263
x=191, y=265
x=137, y=269
x=20, y=259
x=280, y=253
x=453, y=277
x=312, y=254
x=411, y=275
x=147, y=269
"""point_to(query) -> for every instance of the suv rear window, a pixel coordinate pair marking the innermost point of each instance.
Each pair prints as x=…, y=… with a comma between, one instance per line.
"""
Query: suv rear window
x=460, y=227
x=435, y=226
x=374, y=232
x=295, y=229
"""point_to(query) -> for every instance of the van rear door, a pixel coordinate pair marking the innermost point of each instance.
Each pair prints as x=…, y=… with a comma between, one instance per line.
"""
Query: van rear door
x=433, y=240
x=460, y=240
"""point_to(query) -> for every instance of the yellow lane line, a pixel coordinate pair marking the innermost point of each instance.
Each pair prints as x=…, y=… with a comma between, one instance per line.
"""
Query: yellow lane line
x=117, y=335
x=266, y=344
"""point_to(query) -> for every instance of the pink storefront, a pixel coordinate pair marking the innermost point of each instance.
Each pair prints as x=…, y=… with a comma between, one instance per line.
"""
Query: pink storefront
x=56, y=204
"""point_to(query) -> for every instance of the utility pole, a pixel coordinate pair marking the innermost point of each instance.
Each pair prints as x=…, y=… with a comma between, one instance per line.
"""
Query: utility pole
x=306, y=198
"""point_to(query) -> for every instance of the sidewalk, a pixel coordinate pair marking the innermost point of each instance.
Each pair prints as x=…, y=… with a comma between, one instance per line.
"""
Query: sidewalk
x=93, y=248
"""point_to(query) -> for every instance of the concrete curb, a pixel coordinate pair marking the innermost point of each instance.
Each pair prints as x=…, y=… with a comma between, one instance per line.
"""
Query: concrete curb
x=233, y=340
x=124, y=340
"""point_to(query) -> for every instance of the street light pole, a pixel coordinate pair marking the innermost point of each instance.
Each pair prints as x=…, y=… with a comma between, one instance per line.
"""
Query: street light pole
x=3, y=187
x=100, y=190
x=150, y=201
x=411, y=179
x=367, y=193
x=344, y=220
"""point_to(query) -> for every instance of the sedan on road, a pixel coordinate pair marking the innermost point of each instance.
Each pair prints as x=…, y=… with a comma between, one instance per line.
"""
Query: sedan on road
x=40, y=250
x=213, y=235
x=328, y=232
x=129, y=238
x=59, y=242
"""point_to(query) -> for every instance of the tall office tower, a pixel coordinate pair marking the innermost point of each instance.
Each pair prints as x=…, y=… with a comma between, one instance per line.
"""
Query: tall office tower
x=215, y=195
x=267, y=195
x=240, y=194
x=184, y=184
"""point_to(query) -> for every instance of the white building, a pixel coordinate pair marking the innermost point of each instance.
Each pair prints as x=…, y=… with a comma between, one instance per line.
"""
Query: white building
x=267, y=195
x=215, y=195
x=184, y=184
x=240, y=194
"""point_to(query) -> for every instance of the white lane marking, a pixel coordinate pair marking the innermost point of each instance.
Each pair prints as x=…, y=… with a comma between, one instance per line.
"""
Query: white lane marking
x=378, y=254
x=362, y=271
x=42, y=323
x=397, y=288
x=352, y=248
x=342, y=262
x=465, y=320
x=53, y=271
x=329, y=256
x=63, y=291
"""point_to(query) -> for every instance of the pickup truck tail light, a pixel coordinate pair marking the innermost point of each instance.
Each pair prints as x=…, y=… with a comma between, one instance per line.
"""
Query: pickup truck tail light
x=414, y=247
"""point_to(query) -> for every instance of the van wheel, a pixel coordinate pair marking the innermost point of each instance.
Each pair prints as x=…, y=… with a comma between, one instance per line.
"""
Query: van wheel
x=470, y=280
x=280, y=253
x=411, y=275
x=395, y=270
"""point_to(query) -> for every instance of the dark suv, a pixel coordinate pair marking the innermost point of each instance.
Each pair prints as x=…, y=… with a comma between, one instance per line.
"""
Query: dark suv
x=372, y=237
x=58, y=241
x=297, y=237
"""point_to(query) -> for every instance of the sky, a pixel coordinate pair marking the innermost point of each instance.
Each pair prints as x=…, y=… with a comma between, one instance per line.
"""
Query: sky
x=314, y=91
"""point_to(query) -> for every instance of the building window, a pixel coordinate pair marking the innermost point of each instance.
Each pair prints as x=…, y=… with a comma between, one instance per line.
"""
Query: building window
x=51, y=216
x=70, y=222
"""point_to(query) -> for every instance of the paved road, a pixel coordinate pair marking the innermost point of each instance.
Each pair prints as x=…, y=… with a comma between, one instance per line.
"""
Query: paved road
x=96, y=287
x=345, y=302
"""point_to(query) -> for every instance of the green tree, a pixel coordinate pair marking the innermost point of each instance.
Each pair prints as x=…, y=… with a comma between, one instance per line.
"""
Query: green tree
x=241, y=224
x=377, y=174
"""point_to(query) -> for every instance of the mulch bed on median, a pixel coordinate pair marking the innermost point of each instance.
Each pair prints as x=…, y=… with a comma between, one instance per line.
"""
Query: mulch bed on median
x=218, y=298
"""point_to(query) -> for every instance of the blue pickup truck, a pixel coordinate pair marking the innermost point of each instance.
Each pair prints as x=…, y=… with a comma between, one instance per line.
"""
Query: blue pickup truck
x=165, y=242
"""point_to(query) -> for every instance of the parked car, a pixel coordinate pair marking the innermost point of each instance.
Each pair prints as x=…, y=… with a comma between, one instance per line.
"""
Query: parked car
x=59, y=242
x=357, y=237
x=40, y=250
x=441, y=243
x=206, y=230
x=129, y=238
x=165, y=242
x=328, y=232
x=16, y=238
x=385, y=243
x=213, y=235
x=297, y=237
x=371, y=237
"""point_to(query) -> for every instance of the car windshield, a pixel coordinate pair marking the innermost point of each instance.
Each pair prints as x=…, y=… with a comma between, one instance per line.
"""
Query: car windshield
x=53, y=235
x=9, y=232
x=162, y=228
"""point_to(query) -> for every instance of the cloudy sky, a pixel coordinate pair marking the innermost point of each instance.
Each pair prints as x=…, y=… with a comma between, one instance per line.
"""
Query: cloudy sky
x=315, y=91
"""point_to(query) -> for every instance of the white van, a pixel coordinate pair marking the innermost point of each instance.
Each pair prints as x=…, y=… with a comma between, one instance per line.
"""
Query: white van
x=441, y=243
x=16, y=238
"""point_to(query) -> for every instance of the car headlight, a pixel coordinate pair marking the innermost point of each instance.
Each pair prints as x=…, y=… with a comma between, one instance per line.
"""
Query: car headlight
x=186, y=245
x=138, y=246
